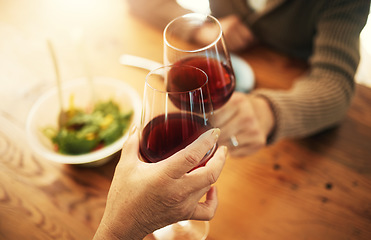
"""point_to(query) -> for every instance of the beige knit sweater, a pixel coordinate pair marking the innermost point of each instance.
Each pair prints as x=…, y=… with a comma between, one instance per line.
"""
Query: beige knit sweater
x=324, y=32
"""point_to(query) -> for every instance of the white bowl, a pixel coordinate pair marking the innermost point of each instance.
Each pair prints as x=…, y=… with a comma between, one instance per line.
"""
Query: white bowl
x=245, y=79
x=45, y=111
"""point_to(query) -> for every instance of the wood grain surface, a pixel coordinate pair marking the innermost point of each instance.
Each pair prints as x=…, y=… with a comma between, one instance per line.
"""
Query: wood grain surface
x=317, y=188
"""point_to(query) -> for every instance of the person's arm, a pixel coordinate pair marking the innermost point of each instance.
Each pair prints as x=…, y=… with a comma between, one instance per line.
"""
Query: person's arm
x=135, y=206
x=320, y=99
x=316, y=101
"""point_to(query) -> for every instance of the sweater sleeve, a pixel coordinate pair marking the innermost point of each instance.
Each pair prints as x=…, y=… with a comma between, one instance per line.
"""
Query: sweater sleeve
x=157, y=12
x=321, y=98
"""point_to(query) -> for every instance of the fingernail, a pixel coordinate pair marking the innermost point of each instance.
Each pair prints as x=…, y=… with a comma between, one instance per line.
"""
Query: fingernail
x=132, y=130
x=225, y=149
x=216, y=133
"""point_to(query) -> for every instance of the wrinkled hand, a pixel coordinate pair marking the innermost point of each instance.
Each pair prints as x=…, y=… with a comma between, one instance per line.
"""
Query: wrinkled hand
x=249, y=119
x=236, y=34
x=146, y=196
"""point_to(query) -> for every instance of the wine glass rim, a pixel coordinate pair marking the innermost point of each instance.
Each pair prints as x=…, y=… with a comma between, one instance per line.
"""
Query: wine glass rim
x=153, y=72
x=198, y=49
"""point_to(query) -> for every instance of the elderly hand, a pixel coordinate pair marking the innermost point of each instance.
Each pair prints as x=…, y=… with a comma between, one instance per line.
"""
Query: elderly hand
x=236, y=34
x=146, y=196
x=248, y=119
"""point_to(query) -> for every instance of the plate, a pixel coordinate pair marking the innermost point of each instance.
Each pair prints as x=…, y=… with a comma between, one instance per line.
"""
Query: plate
x=245, y=78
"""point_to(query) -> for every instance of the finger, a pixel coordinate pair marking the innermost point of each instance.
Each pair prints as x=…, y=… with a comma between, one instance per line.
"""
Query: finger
x=245, y=33
x=186, y=159
x=227, y=112
x=241, y=124
x=192, y=201
x=131, y=146
x=209, y=174
x=244, y=119
x=223, y=116
x=239, y=41
x=205, y=211
x=248, y=137
x=234, y=127
x=244, y=150
x=234, y=44
x=239, y=35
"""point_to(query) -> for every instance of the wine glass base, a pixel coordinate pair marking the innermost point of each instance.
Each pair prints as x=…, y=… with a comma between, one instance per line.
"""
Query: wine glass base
x=184, y=230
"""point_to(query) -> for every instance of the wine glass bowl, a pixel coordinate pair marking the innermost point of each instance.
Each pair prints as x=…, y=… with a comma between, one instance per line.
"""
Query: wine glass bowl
x=189, y=88
x=186, y=33
x=177, y=109
x=197, y=40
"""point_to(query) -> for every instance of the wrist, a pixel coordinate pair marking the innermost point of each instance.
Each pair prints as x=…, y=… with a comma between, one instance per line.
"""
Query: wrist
x=119, y=229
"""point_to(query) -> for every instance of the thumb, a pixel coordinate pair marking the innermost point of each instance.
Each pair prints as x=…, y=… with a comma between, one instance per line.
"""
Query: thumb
x=131, y=146
x=186, y=159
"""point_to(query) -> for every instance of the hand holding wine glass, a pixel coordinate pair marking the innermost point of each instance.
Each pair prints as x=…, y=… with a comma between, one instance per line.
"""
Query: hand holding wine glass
x=177, y=109
x=135, y=206
x=247, y=117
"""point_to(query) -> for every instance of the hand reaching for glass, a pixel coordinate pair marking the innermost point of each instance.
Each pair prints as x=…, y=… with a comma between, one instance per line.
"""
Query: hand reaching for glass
x=246, y=122
x=144, y=197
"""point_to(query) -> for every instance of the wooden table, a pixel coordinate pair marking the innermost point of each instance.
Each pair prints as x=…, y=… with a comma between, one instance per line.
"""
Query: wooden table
x=313, y=188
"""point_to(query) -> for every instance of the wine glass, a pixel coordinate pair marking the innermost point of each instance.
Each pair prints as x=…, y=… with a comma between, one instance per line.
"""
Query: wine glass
x=196, y=39
x=177, y=109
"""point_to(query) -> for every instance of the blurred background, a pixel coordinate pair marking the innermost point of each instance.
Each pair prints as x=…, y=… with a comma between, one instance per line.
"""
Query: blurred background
x=68, y=23
x=363, y=74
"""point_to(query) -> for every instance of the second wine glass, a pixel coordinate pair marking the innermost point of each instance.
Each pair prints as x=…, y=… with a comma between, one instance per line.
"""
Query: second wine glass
x=197, y=40
x=177, y=109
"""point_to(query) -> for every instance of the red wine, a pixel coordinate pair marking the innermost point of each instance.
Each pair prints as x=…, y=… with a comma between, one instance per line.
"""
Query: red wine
x=188, y=89
x=221, y=78
x=167, y=134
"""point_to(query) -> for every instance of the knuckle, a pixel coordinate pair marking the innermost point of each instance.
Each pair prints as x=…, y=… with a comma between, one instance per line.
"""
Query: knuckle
x=237, y=99
x=177, y=203
x=210, y=215
x=192, y=157
x=259, y=143
x=255, y=132
x=262, y=140
x=184, y=212
x=178, y=197
x=247, y=119
x=212, y=177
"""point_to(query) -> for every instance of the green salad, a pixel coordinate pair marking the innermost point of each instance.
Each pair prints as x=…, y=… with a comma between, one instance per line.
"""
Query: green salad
x=86, y=131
